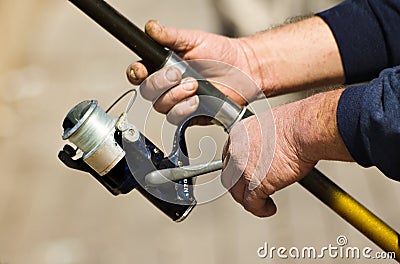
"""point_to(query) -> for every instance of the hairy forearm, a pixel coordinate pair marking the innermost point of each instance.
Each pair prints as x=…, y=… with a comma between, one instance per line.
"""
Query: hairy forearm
x=314, y=127
x=295, y=57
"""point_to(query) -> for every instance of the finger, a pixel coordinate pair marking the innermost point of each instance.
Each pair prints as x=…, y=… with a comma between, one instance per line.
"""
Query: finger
x=259, y=204
x=183, y=109
x=179, y=40
x=201, y=121
x=172, y=97
x=156, y=84
x=226, y=175
x=136, y=73
x=225, y=151
x=231, y=172
x=237, y=190
x=235, y=154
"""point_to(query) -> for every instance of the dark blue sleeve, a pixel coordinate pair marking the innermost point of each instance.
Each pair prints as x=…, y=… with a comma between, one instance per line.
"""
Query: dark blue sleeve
x=368, y=118
x=368, y=36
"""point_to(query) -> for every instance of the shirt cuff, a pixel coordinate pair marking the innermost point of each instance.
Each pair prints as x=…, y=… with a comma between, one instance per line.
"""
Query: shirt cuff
x=348, y=120
x=368, y=120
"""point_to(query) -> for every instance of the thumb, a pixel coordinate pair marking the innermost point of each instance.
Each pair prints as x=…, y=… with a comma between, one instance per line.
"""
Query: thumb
x=176, y=39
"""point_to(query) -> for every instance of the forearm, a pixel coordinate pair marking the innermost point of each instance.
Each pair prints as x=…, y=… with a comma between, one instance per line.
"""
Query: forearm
x=295, y=57
x=313, y=124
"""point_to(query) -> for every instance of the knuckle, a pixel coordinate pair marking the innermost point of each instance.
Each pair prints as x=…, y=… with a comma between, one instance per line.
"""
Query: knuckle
x=156, y=81
x=238, y=197
x=159, y=108
x=225, y=181
x=173, y=95
x=266, y=188
x=174, y=116
x=145, y=90
x=178, y=113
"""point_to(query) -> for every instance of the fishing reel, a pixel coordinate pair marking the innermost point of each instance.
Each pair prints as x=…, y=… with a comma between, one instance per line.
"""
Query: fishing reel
x=122, y=159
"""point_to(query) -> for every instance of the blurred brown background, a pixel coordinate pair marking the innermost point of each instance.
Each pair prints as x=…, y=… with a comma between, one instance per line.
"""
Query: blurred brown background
x=52, y=57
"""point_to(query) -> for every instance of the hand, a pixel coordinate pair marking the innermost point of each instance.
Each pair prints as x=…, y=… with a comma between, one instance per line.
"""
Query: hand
x=306, y=132
x=253, y=175
x=195, y=44
x=165, y=89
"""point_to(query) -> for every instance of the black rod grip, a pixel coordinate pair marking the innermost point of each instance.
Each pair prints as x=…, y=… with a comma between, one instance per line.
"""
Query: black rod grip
x=125, y=31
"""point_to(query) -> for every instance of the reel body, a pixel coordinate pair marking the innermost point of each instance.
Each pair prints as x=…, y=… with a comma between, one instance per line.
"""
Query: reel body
x=119, y=157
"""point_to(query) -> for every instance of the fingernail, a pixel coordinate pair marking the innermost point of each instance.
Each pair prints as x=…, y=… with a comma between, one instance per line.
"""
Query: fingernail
x=193, y=101
x=132, y=73
x=188, y=85
x=155, y=27
x=172, y=75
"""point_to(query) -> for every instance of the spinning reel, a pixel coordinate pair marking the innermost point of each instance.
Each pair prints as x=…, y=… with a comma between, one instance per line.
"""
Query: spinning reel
x=121, y=158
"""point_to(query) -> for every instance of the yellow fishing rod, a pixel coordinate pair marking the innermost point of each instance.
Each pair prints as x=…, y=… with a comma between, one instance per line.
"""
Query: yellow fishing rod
x=352, y=211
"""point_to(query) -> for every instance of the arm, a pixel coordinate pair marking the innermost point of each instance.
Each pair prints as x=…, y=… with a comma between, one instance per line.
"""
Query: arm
x=295, y=57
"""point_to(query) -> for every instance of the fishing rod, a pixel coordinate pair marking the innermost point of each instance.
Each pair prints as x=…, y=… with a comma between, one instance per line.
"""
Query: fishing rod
x=174, y=196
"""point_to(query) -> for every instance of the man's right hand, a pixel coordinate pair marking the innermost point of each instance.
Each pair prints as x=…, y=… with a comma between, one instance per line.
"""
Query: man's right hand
x=192, y=45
